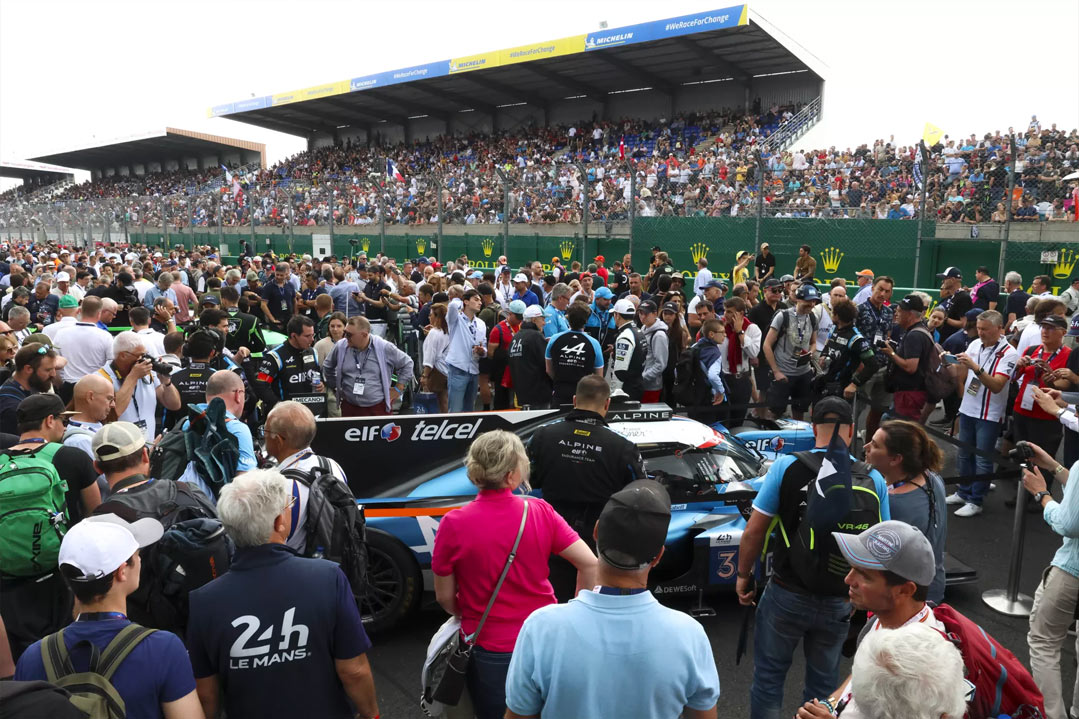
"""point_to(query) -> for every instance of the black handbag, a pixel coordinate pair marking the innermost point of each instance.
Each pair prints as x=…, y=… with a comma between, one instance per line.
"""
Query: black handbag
x=455, y=655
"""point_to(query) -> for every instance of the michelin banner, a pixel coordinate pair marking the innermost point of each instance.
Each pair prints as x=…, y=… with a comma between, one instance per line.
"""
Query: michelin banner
x=671, y=27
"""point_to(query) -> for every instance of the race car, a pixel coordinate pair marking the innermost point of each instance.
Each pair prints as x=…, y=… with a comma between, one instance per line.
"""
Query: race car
x=772, y=438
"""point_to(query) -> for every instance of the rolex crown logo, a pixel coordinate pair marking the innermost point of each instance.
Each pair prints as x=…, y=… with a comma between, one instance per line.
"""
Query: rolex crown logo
x=1067, y=262
x=725, y=276
x=832, y=257
x=365, y=244
x=488, y=246
x=566, y=249
x=421, y=245
x=699, y=251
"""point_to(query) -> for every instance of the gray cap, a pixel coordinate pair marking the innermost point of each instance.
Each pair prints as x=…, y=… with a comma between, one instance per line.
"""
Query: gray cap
x=891, y=546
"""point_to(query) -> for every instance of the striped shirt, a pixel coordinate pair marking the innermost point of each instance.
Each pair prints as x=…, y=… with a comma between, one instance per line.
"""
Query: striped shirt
x=996, y=360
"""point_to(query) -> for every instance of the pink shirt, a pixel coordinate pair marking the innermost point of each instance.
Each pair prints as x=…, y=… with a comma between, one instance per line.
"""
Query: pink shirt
x=184, y=295
x=473, y=543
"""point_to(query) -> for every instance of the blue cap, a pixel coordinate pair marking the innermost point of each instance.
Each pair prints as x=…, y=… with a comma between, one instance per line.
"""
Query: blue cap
x=518, y=307
x=973, y=314
x=604, y=293
x=477, y=275
x=715, y=283
x=1073, y=331
x=808, y=293
x=209, y=300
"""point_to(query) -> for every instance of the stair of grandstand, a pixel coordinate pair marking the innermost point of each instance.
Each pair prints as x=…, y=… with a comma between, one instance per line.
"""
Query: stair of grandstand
x=786, y=133
x=215, y=184
x=48, y=192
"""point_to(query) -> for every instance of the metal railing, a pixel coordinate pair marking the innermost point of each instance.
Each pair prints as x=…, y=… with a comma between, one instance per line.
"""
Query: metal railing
x=792, y=129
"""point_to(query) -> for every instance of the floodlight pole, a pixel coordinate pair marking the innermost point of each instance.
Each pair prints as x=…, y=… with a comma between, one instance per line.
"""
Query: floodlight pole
x=923, y=151
x=1007, y=208
x=505, y=212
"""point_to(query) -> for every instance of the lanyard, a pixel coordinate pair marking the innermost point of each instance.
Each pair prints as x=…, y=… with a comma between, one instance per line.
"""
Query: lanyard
x=366, y=356
x=992, y=351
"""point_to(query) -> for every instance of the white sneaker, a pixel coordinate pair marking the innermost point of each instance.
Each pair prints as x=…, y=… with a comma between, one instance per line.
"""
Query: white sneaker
x=954, y=499
x=992, y=486
x=968, y=510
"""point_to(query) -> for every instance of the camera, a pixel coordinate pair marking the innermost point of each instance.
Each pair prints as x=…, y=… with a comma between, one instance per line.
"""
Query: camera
x=881, y=344
x=1022, y=452
x=159, y=367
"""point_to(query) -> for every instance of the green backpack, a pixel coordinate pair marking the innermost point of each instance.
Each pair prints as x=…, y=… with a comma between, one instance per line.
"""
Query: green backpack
x=33, y=512
x=92, y=691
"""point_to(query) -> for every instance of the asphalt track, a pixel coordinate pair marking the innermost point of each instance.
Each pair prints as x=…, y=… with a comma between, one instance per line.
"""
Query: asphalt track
x=983, y=542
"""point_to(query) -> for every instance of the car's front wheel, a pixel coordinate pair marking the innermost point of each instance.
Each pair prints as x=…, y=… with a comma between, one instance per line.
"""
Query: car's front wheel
x=394, y=582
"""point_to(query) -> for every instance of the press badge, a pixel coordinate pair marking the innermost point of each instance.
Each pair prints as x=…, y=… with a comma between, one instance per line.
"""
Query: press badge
x=357, y=389
x=1027, y=402
x=284, y=305
x=974, y=387
x=141, y=424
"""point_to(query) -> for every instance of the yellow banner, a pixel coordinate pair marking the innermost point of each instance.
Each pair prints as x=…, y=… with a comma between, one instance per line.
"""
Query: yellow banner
x=474, y=62
x=541, y=50
x=931, y=134
x=311, y=93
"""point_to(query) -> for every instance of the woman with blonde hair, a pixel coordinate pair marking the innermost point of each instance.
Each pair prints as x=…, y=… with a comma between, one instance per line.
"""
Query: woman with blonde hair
x=471, y=551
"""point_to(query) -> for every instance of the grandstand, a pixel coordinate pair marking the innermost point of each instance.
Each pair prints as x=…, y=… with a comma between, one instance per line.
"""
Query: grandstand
x=35, y=176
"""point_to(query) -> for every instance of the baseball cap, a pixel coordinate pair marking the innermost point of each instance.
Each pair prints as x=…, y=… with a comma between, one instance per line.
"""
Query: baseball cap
x=1073, y=331
x=555, y=260
x=100, y=544
x=504, y=268
x=738, y=255
x=891, y=546
x=521, y=277
x=973, y=314
x=771, y=282
x=477, y=275
x=1055, y=321
x=765, y=245
x=950, y=272
x=532, y=311
x=714, y=283
x=68, y=302
x=625, y=307
x=117, y=440
x=604, y=293
x=517, y=307
x=599, y=258
x=830, y=409
x=63, y=277
x=913, y=303
x=209, y=300
x=37, y=407
x=648, y=307
x=671, y=307
x=632, y=527
x=864, y=273
x=786, y=278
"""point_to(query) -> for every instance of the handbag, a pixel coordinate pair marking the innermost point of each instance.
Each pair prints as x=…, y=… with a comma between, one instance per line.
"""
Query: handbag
x=449, y=655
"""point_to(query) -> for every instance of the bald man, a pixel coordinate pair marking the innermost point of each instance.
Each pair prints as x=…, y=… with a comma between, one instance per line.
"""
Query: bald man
x=290, y=429
x=226, y=385
x=94, y=397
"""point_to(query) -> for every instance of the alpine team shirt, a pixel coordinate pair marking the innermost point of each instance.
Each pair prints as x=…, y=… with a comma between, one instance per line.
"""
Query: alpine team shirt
x=574, y=354
x=996, y=360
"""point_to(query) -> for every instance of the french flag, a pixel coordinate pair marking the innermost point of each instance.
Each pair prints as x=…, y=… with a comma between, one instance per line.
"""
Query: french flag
x=392, y=173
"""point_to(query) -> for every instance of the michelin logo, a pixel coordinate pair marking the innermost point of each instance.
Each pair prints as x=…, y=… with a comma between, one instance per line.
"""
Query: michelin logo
x=594, y=43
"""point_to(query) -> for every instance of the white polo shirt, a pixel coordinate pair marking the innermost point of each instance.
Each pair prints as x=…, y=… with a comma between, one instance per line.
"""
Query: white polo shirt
x=86, y=347
x=143, y=405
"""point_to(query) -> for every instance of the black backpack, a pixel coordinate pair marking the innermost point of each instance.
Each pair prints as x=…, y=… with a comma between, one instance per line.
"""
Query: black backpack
x=810, y=558
x=336, y=527
x=193, y=550
x=691, y=388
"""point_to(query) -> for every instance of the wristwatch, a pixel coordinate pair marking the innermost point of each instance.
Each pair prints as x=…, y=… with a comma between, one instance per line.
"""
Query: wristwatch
x=1043, y=493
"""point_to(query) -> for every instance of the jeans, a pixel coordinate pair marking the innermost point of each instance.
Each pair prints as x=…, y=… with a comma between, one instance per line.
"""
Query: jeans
x=487, y=682
x=1053, y=613
x=462, y=387
x=982, y=433
x=783, y=619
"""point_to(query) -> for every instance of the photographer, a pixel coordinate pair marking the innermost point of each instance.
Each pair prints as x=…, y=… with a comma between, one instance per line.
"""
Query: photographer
x=848, y=359
x=909, y=359
x=140, y=383
x=1055, y=599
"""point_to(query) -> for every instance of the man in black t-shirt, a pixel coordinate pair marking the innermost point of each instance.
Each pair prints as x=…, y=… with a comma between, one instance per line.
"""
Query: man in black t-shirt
x=571, y=355
x=1016, y=306
x=986, y=294
x=910, y=360
x=766, y=265
x=955, y=301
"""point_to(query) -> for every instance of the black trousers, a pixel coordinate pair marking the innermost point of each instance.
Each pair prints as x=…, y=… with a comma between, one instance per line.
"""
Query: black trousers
x=739, y=394
x=34, y=609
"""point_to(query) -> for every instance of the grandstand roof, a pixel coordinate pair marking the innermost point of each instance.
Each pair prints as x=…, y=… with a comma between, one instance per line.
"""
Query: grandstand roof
x=29, y=171
x=168, y=144
x=661, y=55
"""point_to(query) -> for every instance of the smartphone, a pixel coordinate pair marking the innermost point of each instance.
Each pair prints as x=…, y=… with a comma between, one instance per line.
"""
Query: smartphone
x=950, y=359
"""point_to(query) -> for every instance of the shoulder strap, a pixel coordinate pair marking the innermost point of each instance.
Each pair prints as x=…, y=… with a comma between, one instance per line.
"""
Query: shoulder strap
x=120, y=646
x=505, y=570
x=55, y=658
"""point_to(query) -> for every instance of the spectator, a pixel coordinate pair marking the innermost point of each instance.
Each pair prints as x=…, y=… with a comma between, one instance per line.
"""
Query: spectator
x=665, y=660
x=1032, y=333
x=279, y=298
x=762, y=315
x=848, y=360
x=163, y=319
x=467, y=334
x=909, y=360
x=788, y=348
x=320, y=648
x=702, y=278
x=805, y=267
x=138, y=389
x=43, y=305
x=790, y=612
x=163, y=288
x=244, y=330
x=229, y=387
x=100, y=563
x=367, y=373
x=471, y=549
x=910, y=463
x=86, y=347
x=19, y=321
x=865, y=286
x=739, y=352
x=35, y=372
x=290, y=430
x=527, y=363
x=185, y=298
x=153, y=340
x=94, y=399
x=571, y=355
x=955, y=301
x=65, y=316
x=765, y=264
x=627, y=360
x=654, y=339
x=435, y=371
x=522, y=286
x=985, y=372
x=498, y=347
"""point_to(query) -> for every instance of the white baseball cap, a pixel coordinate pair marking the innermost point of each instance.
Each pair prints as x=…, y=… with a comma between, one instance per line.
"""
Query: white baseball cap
x=532, y=312
x=99, y=544
x=521, y=277
x=625, y=307
x=63, y=277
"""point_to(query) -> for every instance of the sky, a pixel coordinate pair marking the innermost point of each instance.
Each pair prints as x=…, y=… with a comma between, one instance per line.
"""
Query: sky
x=75, y=74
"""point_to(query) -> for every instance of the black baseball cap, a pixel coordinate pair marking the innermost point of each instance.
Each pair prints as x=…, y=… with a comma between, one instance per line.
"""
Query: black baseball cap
x=950, y=272
x=632, y=527
x=912, y=302
x=832, y=409
x=671, y=307
x=648, y=307
x=37, y=407
x=1055, y=321
x=771, y=282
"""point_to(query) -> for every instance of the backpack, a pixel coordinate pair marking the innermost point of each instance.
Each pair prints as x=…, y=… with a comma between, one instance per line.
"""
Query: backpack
x=939, y=381
x=1002, y=685
x=34, y=516
x=92, y=690
x=691, y=388
x=809, y=557
x=336, y=527
x=193, y=550
x=205, y=441
x=168, y=459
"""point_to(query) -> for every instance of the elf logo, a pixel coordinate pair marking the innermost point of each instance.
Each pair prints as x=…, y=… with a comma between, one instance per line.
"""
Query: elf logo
x=390, y=431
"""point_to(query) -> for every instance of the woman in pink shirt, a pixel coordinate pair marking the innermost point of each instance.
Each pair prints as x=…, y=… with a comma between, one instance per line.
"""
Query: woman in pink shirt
x=471, y=548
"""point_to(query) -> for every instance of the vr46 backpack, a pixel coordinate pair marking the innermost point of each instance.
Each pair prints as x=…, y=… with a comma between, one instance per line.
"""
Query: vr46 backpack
x=92, y=691
x=336, y=527
x=33, y=512
x=691, y=388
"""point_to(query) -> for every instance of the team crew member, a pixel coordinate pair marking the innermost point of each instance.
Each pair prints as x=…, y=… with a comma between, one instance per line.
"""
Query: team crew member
x=624, y=373
x=278, y=298
x=571, y=355
x=291, y=369
x=848, y=359
x=244, y=329
x=190, y=381
x=275, y=620
x=367, y=373
x=579, y=463
x=138, y=388
x=528, y=367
